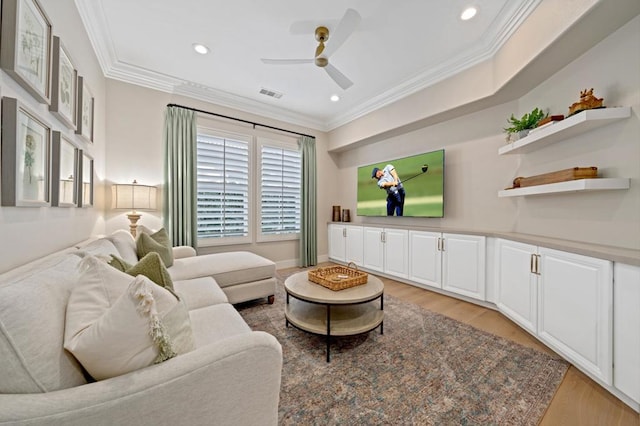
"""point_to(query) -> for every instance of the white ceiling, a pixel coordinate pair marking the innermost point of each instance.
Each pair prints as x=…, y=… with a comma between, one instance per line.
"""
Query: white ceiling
x=397, y=49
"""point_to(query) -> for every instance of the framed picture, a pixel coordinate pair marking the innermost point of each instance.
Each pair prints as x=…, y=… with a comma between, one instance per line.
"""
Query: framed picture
x=25, y=50
x=64, y=171
x=85, y=111
x=85, y=187
x=64, y=97
x=26, y=143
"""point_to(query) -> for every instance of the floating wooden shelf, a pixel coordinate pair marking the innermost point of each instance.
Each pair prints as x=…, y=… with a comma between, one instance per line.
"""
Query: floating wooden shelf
x=567, y=128
x=597, y=184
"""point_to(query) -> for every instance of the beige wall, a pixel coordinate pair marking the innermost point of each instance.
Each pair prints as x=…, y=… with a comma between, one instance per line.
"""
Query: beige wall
x=612, y=68
x=27, y=233
x=135, y=124
x=474, y=171
x=129, y=121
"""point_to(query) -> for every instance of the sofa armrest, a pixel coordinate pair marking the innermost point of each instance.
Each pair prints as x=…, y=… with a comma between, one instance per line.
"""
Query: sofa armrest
x=183, y=251
x=231, y=382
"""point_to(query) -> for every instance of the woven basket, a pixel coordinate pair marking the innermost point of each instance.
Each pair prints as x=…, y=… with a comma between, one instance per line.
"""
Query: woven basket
x=338, y=277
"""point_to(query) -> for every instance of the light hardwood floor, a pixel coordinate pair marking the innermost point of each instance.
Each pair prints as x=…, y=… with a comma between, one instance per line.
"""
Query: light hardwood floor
x=578, y=401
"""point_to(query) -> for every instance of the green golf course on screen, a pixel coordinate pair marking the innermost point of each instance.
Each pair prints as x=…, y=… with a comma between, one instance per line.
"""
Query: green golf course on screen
x=420, y=195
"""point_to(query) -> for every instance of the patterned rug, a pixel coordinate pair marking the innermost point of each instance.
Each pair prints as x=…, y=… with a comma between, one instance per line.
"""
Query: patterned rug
x=426, y=369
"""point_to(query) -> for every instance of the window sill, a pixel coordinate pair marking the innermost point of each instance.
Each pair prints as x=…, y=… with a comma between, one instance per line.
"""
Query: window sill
x=268, y=238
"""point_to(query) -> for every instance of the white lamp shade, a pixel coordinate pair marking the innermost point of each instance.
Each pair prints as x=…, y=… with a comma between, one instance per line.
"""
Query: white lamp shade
x=134, y=196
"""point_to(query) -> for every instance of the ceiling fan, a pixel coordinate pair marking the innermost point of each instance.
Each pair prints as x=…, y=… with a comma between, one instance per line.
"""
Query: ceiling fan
x=345, y=28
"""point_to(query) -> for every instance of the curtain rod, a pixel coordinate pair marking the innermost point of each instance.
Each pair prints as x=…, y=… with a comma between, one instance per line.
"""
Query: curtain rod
x=253, y=123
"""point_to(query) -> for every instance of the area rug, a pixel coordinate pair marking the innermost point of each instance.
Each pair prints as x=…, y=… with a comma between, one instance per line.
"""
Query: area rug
x=426, y=369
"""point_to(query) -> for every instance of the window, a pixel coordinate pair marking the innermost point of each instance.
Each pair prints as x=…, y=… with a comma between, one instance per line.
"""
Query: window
x=223, y=188
x=279, y=189
x=248, y=188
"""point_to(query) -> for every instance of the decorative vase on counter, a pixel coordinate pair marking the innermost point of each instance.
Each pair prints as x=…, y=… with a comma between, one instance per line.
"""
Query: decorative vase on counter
x=336, y=214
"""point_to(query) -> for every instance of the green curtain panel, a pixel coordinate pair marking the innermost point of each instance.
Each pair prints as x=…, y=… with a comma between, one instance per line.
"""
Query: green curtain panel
x=308, y=221
x=180, y=179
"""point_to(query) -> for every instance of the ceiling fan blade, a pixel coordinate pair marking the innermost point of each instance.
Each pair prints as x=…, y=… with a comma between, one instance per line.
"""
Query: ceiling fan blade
x=346, y=27
x=286, y=61
x=338, y=77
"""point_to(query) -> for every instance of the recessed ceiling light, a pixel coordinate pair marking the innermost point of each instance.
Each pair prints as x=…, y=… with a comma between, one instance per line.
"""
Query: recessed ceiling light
x=335, y=98
x=200, y=48
x=468, y=13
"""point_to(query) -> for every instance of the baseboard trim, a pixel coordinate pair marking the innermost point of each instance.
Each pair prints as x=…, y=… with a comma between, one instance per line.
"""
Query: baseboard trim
x=294, y=263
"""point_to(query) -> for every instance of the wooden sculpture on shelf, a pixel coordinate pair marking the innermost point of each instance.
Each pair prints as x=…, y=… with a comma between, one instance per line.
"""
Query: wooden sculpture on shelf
x=587, y=101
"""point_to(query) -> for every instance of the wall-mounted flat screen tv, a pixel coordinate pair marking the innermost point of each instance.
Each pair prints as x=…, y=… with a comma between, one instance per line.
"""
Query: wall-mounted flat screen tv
x=411, y=186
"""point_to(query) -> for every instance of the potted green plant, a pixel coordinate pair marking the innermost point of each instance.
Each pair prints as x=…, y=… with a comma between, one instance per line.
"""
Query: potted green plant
x=520, y=127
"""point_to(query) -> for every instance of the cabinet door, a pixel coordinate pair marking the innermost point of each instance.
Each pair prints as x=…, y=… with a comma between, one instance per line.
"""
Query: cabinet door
x=425, y=262
x=373, y=250
x=353, y=244
x=517, y=283
x=336, y=242
x=574, y=309
x=396, y=258
x=463, y=265
x=626, y=329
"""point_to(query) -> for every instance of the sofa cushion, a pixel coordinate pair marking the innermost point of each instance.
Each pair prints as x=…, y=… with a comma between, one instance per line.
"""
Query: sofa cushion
x=125, y=244
x=143, y=325
x=158, y=242
x=151, y=266
x=200, y=292
x=217, y=322
x=101, y=247
x=226, y=268
x=32, y=321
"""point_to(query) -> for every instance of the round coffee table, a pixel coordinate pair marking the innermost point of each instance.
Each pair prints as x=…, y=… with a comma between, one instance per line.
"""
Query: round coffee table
x=319, y=310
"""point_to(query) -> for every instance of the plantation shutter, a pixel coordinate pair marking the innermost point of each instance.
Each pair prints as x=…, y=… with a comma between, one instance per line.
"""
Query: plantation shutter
x=223, y=187
x=280, y=190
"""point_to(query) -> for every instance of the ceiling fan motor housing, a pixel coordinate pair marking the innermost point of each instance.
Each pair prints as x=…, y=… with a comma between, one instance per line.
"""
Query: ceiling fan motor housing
x=322, y=34
x=321, y=61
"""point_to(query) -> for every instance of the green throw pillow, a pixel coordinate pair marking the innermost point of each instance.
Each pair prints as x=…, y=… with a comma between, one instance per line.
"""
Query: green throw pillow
x=119, y=264
x=150, y=266
x=159, y=243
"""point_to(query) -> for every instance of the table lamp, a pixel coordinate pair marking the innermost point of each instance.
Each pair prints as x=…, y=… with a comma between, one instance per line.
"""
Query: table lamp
x=133, y=196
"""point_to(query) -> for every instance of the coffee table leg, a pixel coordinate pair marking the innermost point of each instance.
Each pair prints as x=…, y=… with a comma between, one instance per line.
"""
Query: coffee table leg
x=382, y=309
x=328, y=332
x=286, y=320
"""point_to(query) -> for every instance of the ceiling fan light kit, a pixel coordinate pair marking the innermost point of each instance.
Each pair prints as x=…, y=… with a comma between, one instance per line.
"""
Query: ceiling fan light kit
x=345, y=28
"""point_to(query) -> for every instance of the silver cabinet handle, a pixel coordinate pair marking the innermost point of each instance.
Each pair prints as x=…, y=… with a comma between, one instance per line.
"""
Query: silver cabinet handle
x=532, y=264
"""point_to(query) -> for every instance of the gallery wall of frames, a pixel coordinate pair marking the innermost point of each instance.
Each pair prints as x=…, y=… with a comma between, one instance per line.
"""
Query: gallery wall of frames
x=41, y=165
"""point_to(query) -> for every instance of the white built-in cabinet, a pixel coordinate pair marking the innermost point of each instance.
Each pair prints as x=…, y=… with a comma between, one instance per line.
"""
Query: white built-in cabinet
x=563, y=298
x=584, y=308
x=463, y=264
x=626, y=330
x=575, y=316
x=386, y=250
x=517, y=283
x=373, y=254
x=425, y=258
x=452, y=262
x=345, y=243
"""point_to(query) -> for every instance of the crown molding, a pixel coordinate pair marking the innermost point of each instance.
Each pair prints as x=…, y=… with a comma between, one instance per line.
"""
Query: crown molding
x=487, y=48
x=92, y=15
x=229, y=100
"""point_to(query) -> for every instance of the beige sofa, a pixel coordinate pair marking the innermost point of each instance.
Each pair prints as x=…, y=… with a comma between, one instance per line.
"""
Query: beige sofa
x=242, y=275
x=231, y=377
